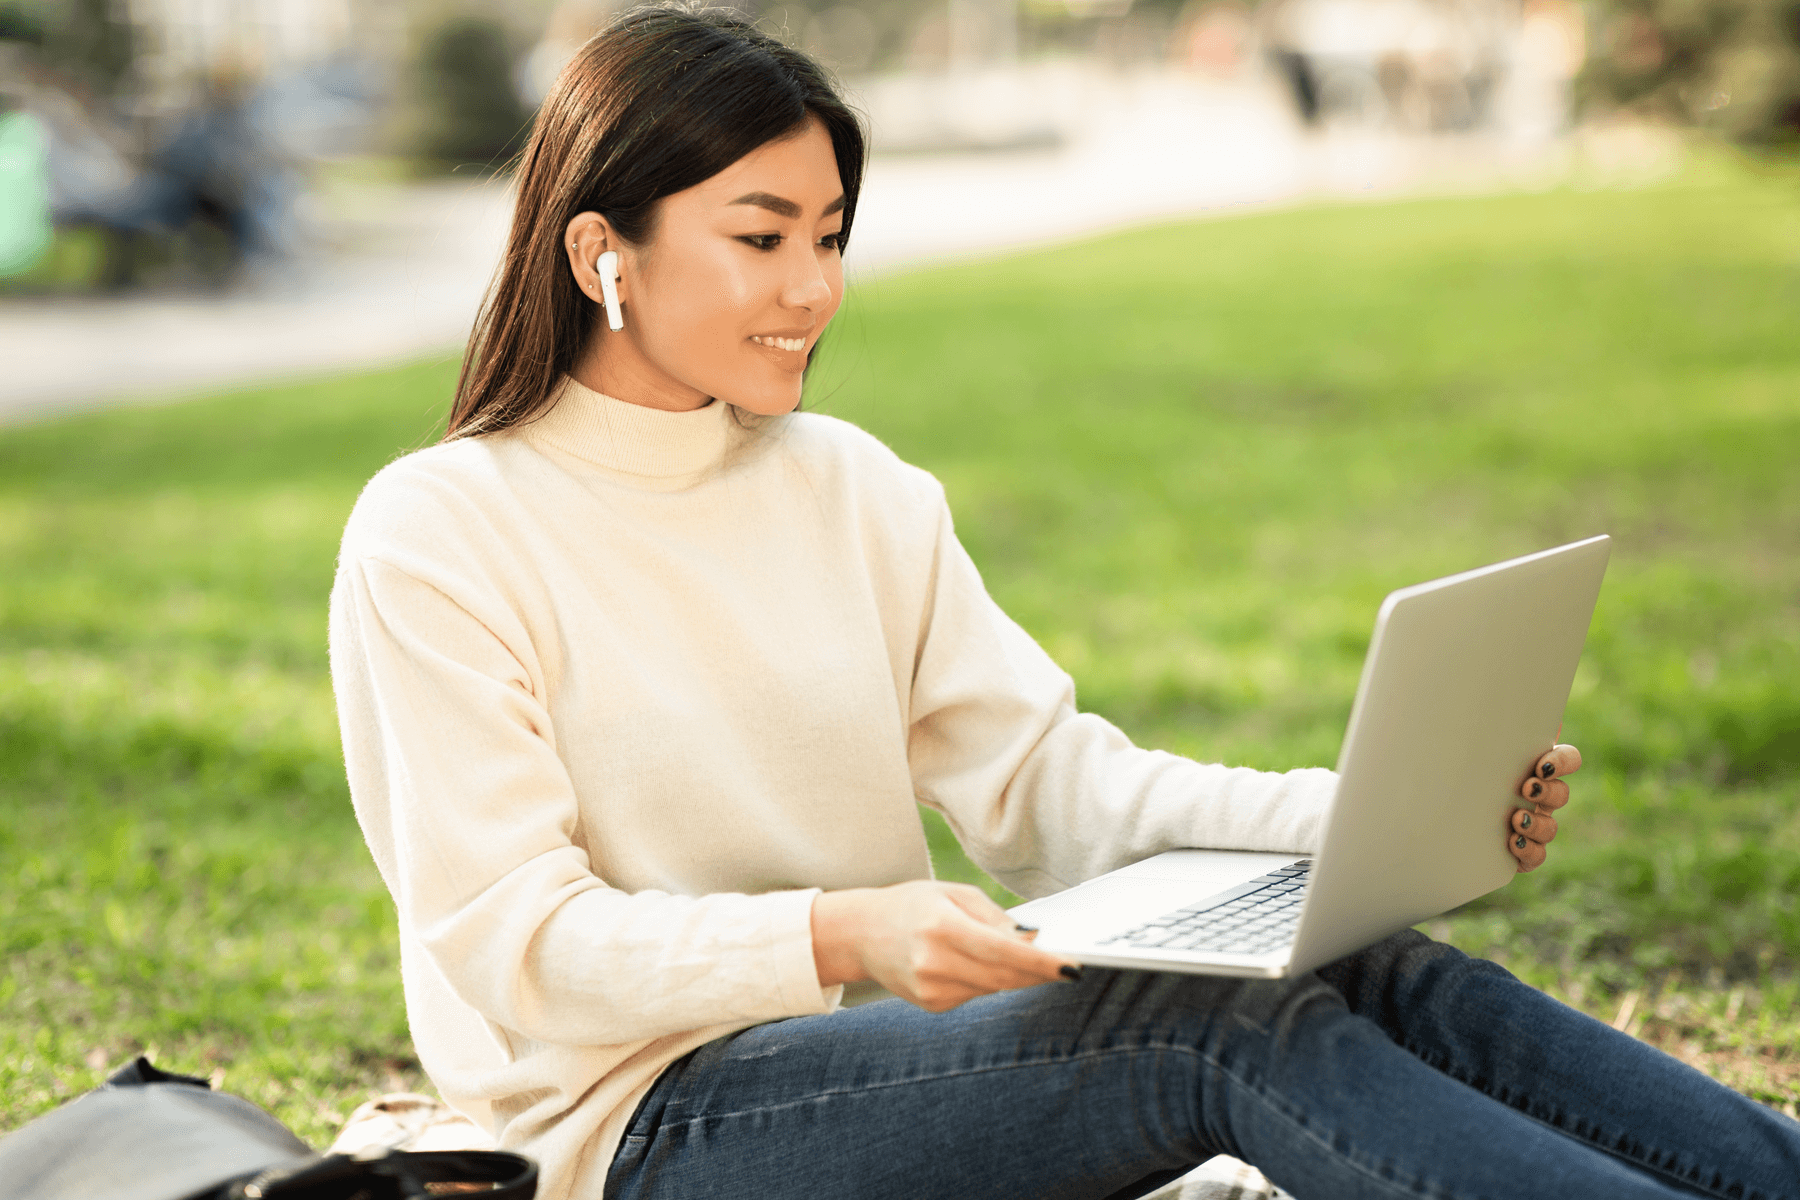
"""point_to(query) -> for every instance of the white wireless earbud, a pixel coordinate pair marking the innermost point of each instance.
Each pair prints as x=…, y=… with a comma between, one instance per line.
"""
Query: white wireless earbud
x=608, y=270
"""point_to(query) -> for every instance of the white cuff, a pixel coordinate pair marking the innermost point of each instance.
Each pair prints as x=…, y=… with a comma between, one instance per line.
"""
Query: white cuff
x=791, y=963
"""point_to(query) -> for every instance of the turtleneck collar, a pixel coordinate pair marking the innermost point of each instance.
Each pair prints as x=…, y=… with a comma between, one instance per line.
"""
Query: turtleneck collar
x=632, y=439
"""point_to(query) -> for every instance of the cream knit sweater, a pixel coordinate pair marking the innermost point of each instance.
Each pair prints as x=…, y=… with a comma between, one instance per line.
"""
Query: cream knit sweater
x=622, y=689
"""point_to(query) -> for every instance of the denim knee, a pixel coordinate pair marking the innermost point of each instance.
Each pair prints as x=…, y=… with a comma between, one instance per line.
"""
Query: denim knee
x=1228, y=1023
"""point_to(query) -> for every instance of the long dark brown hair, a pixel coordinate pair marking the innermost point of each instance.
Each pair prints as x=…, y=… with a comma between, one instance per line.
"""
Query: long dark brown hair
x=659, y=100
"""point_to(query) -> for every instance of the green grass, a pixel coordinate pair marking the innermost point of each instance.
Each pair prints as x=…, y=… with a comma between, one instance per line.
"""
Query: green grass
x=1189, y=459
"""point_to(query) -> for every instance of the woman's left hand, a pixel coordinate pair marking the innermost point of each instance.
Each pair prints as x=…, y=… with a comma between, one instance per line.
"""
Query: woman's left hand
x=1534, y=825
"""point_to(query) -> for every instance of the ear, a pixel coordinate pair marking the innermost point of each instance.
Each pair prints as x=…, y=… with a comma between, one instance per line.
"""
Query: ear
x=587, y=236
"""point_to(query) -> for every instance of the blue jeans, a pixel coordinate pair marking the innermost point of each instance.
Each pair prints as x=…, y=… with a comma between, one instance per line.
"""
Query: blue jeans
x=1409, y=1069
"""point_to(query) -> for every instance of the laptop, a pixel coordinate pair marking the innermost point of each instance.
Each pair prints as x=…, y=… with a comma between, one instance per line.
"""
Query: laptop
x=1462, y=690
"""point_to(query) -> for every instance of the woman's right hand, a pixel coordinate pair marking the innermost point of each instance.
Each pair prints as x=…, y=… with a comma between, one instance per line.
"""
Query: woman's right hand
x=932, y=943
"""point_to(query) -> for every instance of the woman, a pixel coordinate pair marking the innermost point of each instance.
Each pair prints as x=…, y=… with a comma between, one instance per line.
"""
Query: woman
x=641, y=677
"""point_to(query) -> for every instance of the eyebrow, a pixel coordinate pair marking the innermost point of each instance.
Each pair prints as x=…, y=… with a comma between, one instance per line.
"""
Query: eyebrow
x=781, y=207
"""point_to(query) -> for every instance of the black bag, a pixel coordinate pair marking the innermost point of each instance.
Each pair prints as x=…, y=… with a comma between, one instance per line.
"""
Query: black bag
x=148, y=1135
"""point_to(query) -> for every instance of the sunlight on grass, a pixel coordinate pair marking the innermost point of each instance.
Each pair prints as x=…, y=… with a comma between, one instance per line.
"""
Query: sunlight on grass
x=1192, y=474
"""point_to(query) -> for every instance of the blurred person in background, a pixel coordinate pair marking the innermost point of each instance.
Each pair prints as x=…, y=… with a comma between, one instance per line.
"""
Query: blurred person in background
x=642, y=675
x=1215, y=39
x=221, y=162
x=215, y=190
x=196, y=178
x=1422, y=66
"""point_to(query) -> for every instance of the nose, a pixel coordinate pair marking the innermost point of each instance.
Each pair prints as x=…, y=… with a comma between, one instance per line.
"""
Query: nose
x=807, y=285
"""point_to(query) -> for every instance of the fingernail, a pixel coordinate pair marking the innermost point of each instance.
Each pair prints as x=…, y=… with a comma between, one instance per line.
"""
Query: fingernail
x=1547, y=770
x=1524, y=820
x=1026, y=928
x=1519, y=841
x=1072, y=974
x=1537, y=789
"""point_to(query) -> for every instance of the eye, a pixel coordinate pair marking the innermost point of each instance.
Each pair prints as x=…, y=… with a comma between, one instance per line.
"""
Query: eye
x=762, y=241
x=833, y=241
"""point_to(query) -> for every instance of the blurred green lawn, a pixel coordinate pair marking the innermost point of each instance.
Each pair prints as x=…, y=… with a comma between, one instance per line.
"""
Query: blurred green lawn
x=1190, y=459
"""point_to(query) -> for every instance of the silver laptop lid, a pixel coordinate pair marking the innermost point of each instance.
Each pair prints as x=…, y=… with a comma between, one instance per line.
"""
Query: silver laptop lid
x=1463, y=688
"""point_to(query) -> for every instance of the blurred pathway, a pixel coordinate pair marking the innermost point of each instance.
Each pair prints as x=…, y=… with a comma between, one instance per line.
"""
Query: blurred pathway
x=399, y=271
x=1157, y=147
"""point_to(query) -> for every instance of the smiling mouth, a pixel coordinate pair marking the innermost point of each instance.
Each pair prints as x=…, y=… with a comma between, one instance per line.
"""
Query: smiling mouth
x=780, y=343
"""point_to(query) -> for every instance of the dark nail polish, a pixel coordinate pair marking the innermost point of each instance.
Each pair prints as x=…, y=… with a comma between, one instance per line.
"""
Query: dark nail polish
x=1026, y=928
x=1072, y=974
x=1519, y=841
x=1547, y=770
x=1524, y=820
x=1537, y=789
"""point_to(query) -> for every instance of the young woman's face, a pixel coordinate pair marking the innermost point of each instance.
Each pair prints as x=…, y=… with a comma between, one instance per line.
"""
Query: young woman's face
x=737, y=282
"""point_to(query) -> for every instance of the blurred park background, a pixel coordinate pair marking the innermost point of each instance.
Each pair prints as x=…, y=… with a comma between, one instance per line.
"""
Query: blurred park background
x=1218, y=320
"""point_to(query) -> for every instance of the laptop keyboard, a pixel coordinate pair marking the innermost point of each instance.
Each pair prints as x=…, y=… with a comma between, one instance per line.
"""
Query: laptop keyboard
x=1252, y=918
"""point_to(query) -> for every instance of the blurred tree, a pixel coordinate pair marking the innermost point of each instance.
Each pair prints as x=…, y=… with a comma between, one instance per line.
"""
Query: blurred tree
x=89, y=43
x=1728, y=65
x=471, y=111
x=19, y=23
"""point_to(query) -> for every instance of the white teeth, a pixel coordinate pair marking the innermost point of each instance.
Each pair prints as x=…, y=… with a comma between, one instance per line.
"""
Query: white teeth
x=780, y=343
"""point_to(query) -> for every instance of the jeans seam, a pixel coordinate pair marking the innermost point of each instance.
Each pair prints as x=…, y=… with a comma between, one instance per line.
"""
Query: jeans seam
x=923, y=1078
x=1441, y=1063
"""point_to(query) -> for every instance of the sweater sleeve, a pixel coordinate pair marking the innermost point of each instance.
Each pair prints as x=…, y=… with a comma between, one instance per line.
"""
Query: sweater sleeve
x=472, y=820
x=1042, y=796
